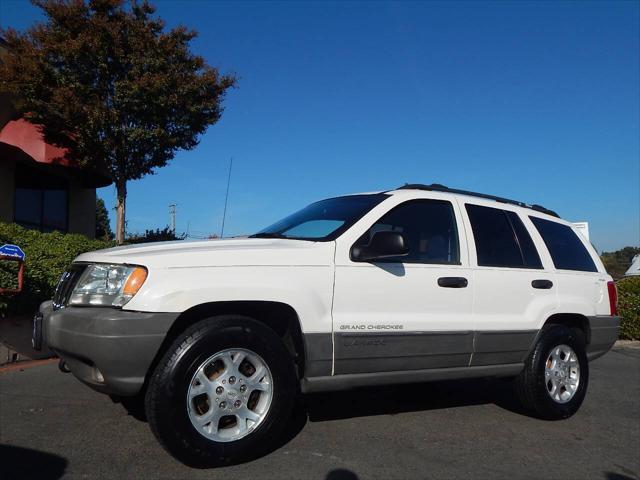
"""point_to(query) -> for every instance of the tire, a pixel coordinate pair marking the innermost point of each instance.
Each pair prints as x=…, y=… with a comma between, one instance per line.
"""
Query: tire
x=171, y=408
x=534, y=386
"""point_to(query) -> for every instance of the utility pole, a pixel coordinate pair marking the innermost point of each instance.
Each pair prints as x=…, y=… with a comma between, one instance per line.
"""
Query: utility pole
x=226, y=198
x=172, y=217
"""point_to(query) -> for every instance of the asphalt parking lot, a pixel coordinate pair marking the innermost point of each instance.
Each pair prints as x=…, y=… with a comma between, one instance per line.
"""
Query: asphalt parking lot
x=53, y=427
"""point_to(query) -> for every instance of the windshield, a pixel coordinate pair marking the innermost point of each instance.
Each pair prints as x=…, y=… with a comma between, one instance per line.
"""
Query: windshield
x=323, y=220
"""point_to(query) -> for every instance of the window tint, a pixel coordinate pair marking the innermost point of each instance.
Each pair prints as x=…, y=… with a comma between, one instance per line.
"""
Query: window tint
x=530, y=255
x=501, y=239
x=314, y=228
x=429, y=228
x=28, y=207
x=566, y=249
x=44, y=210
x=323, y=220
x=54, y=210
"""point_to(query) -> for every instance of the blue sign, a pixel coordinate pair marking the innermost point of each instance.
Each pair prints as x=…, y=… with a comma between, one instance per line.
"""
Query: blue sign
x=14, y=251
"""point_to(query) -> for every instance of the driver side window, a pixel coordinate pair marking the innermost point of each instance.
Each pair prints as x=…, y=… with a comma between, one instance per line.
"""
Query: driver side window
x=428, y=227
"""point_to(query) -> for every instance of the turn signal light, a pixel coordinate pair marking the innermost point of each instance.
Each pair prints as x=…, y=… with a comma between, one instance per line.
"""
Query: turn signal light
x=135, y=281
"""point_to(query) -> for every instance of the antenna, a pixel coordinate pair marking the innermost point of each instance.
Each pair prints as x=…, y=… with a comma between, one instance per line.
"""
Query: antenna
x=226, y=198
x=172, y=216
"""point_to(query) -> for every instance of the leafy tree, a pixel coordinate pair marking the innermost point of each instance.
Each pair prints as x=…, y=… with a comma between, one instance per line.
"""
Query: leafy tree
x=618, y=262
x=103, y=227
x=157, y=235
x=107, y=82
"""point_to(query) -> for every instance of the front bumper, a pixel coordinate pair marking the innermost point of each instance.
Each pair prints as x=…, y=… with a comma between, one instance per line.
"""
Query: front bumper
x=110, y=350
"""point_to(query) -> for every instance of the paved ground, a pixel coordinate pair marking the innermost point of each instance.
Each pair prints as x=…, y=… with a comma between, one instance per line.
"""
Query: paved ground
x=52, y=426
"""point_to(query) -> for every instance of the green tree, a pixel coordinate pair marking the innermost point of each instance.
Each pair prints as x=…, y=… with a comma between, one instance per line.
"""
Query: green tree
x=106, y=81
x=103, y=226
x=618, y=262
x=157, y=235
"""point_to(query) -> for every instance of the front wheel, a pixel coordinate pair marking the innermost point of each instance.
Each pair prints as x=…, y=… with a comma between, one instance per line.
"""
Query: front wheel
x=222, y=391
x=554, y=380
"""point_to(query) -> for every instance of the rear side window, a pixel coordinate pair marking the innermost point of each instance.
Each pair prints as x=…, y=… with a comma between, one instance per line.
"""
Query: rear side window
x=566, y=249
x=501, y=239
x=530, y=255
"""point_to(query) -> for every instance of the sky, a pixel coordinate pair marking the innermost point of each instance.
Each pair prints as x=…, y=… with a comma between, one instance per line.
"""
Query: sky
x=536, y=101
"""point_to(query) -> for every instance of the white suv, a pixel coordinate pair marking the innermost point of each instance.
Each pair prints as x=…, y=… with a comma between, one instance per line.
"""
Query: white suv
x=410, y=285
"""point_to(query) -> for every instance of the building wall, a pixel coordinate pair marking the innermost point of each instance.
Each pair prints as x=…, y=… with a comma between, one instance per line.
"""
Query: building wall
x=81, y=207
x=82, y=210
x=7, y=186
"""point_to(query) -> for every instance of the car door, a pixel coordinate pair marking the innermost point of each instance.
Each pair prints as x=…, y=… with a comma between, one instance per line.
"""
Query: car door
x=514, y=281
x=405, y=313
x=582, y=286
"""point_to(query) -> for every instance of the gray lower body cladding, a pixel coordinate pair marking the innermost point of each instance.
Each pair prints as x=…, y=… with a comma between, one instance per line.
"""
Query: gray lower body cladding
x=318, y=348
x=110, y=350
x=400, y=351
x=356, y=380
x=375, y=358
x=502, y=347
x=603, y=334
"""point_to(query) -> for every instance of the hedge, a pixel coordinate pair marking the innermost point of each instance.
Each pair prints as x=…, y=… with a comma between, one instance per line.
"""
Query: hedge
x=629, y=307
x=47, y=256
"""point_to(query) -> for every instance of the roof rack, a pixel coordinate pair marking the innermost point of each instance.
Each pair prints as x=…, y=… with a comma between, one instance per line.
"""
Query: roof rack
x=436, y=187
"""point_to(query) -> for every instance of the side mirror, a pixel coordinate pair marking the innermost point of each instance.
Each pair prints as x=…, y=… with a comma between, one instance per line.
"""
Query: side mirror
x=382, y=245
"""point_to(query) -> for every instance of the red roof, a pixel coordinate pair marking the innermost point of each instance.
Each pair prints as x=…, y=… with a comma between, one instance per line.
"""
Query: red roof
x=24, y=137
x=28, y=138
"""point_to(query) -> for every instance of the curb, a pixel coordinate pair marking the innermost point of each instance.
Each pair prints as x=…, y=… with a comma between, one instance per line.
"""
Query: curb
x=627, y=344
x=22, y=365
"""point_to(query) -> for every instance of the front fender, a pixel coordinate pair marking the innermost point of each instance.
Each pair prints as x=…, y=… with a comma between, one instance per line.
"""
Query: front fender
x=307, y=289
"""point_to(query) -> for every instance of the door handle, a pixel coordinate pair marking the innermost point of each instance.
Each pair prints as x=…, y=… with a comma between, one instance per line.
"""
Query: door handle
x=453, y=282
x=542, y=284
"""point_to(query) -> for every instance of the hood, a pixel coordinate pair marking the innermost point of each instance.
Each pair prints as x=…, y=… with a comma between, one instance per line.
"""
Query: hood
x=217, y=252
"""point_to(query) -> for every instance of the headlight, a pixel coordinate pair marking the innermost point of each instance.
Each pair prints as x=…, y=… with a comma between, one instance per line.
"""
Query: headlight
x=107, y=285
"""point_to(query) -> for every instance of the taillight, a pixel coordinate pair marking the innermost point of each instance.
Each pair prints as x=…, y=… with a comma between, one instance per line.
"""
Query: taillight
x=613, y=297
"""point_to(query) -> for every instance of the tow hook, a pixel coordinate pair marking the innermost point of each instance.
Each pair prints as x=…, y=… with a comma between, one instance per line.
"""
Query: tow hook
x=62, y=366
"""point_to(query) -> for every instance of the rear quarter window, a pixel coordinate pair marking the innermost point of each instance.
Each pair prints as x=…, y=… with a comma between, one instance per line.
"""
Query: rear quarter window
x=566, y=249
x=501, y=239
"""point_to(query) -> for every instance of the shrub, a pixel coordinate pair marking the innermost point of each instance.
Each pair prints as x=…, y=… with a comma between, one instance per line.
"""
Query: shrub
x=629, y=307
x=47, y=256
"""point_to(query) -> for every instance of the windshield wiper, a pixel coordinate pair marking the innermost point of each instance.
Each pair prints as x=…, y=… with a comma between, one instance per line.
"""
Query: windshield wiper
x=268, y=235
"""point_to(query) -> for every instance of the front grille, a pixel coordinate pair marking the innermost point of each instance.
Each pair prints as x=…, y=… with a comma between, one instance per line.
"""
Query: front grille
x=66, y=284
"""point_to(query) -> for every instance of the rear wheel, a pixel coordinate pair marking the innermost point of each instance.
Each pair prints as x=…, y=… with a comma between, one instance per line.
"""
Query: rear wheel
x=222, y=392
x=554, y=380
